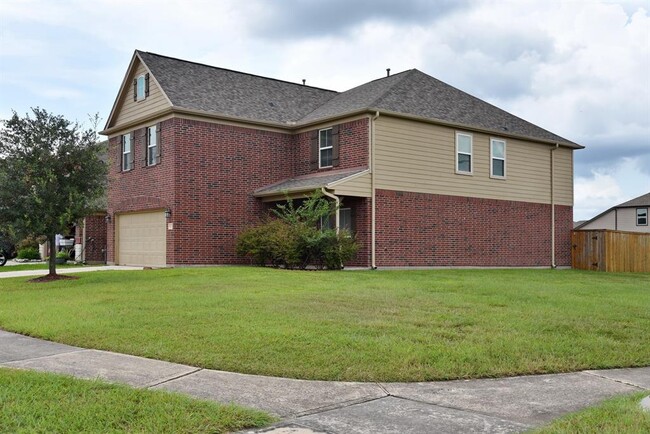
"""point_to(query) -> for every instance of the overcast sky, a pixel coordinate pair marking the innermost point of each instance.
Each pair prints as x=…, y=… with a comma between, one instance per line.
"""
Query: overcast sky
x=577, y=68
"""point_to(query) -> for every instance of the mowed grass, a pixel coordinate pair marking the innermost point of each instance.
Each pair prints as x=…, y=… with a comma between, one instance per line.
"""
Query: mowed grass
x=622, y=415
x=47, y=403
x=355, y=325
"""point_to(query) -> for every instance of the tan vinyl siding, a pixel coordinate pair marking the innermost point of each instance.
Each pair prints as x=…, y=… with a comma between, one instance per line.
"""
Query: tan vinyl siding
x=359, y=187
x=421, y=157
x=605, y=221
x=128, y=110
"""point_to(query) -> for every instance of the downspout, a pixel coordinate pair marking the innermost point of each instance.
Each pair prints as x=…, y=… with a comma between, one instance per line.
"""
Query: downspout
x=553, y=264
x=337, y=200
x=373, y=263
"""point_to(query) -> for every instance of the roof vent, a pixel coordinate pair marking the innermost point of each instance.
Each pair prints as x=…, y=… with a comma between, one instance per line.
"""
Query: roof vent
x=387, y=72
x=304, y=81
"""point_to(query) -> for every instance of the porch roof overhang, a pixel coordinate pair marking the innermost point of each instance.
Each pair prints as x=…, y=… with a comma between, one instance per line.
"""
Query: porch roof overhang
x=303, y=186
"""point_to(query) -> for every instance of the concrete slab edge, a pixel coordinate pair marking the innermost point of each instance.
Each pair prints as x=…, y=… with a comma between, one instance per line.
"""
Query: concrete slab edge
x=601, y=374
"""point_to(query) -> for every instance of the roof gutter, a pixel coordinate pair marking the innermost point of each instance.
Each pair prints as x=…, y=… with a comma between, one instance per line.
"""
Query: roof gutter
x=337, y=200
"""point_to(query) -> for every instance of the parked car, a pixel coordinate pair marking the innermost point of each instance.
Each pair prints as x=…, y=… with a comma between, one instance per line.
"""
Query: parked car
x=7, y=248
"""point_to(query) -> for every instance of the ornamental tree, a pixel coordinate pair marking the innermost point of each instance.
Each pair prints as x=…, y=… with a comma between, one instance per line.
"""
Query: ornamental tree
x=51, y=172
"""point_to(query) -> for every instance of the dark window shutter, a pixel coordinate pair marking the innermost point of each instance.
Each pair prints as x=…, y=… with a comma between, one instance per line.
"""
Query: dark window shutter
x=146, y=85
x=313, y=161
x=135, y=89
x=158, y=144
x=120, y=153
x=145, y=141
x=335, y=145
x=132, y=154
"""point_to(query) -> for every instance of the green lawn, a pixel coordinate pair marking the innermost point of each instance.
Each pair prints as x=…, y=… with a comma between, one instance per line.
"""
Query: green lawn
x=355, y=325
x=621, y=415
x=47, y=403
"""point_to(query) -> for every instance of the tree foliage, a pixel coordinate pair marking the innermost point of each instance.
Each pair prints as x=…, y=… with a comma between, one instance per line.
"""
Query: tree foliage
x=51, y=173
x=294, y=240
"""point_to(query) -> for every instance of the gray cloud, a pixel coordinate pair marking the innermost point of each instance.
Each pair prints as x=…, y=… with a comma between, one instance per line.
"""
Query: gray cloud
x=307, y=18
x=603, y=153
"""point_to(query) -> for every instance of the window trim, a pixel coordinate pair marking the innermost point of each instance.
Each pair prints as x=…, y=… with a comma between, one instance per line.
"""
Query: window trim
x=646, y=216
x=321, y=149
x=492, y=158
x=155, y=137
x=471, y=155
x=125, y=167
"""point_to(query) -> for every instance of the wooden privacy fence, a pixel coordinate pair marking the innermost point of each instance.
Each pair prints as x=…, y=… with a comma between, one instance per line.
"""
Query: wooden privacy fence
x=615, y=251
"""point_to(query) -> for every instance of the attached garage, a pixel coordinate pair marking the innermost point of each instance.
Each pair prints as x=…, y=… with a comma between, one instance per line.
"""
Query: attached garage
x=142, y=239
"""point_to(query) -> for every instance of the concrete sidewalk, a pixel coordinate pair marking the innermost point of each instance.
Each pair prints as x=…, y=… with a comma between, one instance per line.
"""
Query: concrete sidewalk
x=25, y=273
x=492, y=405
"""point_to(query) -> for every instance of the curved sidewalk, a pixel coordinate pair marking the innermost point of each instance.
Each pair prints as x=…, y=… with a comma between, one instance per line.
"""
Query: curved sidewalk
x=513, y=404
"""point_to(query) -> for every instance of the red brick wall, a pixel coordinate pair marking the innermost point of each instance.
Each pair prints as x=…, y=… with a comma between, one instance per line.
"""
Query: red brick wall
x=361, y=210
x=417, y=229
x=95, y=238
x=144, y=187
x=217, y=168
x=353, y=148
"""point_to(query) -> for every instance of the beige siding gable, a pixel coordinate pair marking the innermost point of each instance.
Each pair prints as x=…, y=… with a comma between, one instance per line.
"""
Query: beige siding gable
x=421, y=157
x=357, y=186
x=128, y=111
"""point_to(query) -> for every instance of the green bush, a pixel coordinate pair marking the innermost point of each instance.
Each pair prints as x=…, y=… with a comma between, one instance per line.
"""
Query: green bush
x=29, y=253
x=294, y=239
x=63, y=255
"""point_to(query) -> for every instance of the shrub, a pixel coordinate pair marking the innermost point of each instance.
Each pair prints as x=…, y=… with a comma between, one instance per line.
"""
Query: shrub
x=294, y=240
x=29, y=253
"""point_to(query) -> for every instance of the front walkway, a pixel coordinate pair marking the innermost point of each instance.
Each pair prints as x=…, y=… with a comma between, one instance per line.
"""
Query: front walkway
x=491, y=405
x=24, y=273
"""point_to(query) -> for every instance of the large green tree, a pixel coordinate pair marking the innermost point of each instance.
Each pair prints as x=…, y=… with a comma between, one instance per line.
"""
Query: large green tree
x=51, y=174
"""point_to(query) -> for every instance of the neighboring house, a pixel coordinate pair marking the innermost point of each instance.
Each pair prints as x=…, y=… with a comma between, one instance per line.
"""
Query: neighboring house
x=427, y=175
x=628, y=216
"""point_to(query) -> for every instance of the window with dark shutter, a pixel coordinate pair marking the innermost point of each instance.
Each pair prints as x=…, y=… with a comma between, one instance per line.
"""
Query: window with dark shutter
x=135, y=89
x=153, y=146
x=325, y=149
x=146, y=85
x=127, y=152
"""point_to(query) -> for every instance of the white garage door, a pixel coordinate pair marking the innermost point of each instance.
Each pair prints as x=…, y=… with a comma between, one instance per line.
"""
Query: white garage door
x=141, y=239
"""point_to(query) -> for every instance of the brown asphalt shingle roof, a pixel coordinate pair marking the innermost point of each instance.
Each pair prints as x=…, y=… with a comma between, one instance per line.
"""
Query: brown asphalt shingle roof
x=234, y=94
x=306, y=182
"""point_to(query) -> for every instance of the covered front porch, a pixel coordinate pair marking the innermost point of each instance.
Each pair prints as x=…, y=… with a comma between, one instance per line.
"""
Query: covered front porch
x=350, y=189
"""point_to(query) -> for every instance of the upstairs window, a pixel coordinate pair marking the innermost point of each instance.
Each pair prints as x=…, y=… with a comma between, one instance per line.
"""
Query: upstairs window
x=498, y=158
x=153, y=145
x=325, y=148
x=464, y=153
x=127, y=153
x=642, y=216
x=141, y=87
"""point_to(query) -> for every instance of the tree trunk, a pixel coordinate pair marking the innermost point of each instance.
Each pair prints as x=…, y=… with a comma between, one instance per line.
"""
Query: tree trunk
x=52, y=239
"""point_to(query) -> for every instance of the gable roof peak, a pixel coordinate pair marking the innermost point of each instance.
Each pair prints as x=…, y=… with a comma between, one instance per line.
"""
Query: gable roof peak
x=145, y=54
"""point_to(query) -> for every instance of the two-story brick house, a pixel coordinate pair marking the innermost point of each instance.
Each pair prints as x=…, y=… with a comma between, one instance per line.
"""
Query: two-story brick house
x=426, y=174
